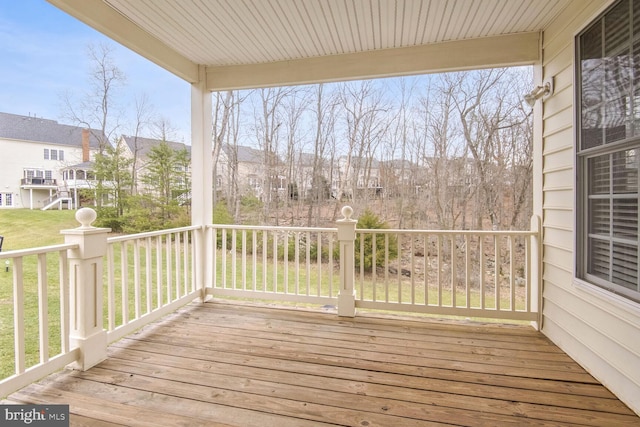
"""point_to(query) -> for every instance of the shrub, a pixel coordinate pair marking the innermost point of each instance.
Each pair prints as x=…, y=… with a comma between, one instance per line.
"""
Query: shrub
x=369, y=220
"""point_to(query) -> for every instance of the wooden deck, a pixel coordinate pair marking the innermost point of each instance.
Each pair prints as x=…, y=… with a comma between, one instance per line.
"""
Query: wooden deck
x=221, y=364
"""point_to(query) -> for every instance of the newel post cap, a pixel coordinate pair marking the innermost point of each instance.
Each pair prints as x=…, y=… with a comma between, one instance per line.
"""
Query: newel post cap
x=86, y=217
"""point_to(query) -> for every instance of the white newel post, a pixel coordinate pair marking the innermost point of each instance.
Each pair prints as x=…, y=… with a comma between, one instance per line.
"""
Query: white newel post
x=85, y=294
x=346, y=239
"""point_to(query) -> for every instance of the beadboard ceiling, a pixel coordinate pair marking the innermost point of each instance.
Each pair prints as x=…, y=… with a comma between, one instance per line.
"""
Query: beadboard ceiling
x=233, y=37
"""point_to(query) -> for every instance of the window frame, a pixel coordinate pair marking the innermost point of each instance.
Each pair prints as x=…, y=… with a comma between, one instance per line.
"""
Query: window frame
x=583, y=156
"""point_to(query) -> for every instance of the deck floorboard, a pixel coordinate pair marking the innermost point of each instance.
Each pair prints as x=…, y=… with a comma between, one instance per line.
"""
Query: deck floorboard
x=231, y=364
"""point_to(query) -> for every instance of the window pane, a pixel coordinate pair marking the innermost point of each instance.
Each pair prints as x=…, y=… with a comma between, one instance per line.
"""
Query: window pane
x=592, y=75
x=599, y=258
x=625, y=265
x=46, y=154
x=599, y=217
x=616, y=29
x=60, y=155
x=625, y=218
x=617, y=109
x=599, y=174
x=625, y=172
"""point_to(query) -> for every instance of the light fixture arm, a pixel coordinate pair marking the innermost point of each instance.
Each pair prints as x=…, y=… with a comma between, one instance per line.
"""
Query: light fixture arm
x=539, y=92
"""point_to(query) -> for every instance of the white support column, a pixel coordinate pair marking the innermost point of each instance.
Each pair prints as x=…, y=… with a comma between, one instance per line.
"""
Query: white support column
x=85, y=281
x=535, y=276
x=346, y=238
x=201, y=174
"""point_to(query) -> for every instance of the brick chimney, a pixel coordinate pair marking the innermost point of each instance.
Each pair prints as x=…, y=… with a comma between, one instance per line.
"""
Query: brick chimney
x=85, y=145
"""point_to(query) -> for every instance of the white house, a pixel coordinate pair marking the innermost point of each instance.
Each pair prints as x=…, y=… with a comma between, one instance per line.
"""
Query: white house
x=138, y=148
x=38, y=155
x=586, y=119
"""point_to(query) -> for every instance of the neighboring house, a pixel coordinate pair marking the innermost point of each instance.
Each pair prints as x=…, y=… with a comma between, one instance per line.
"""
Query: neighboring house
x=40, y=159
x=138, y=149
x=359, y=175
x=246, y=168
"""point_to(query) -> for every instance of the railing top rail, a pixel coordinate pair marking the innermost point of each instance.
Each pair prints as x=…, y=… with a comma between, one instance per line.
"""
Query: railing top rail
x=124, y=238
x=270, y=228
x=449, y=232
x=36, y=251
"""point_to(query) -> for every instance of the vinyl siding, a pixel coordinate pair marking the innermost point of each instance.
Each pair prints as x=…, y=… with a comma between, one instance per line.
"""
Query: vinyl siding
x=598, y=330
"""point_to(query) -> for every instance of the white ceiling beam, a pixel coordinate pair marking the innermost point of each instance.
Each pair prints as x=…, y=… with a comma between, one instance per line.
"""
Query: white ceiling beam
x=499, y=51
x=102, y=17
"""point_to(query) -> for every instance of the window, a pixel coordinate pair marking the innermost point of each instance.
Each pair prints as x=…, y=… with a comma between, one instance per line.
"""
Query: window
x=60, y=155
x=48, y=174
x=6, y=199
x=608, y=151
x=54, y=154
x=46, y=154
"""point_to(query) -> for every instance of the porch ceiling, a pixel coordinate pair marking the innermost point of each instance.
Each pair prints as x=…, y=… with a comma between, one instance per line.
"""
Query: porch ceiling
x=253, y=43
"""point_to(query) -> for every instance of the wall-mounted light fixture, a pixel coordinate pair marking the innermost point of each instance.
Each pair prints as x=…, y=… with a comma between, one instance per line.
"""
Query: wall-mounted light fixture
x=539, y=92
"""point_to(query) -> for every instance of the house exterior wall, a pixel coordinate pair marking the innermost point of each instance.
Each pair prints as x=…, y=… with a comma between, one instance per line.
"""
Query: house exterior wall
x=598, y=329
x=18, y=155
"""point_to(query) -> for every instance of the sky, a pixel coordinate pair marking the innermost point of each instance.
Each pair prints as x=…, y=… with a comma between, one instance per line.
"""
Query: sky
x=43, y=56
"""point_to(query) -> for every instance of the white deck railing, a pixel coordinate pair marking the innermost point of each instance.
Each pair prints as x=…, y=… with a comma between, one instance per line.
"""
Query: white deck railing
x=274, y=263
x=148, y=275
x=38, y=342
x=483, y=274
x=93, y=289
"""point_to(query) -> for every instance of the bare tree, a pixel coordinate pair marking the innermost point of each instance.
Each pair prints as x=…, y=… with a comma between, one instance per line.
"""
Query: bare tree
x=362, y=105
x=325, y=117
x=96, y=109
x=488, y=109
x=268, y=122
x=143, y=117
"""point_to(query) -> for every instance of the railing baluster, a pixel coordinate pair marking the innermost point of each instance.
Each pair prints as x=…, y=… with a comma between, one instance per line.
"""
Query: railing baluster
x=308, y=261
x=136, y=278
x=467, y=272
x=275, y=262
x=64, y=302
x=18, y=316
x=185, y=263
x=244, y=260
x=159, y=280
x=454, y=271
x=124, y=282
x=413, y=269
x=148, y=274
x=440, y=263
x=177, y=260
x=111, y=288
x=285, y=257
x=234, y=253
x=254, y=254
x=512, y=274
x=319, y=263
x=496, y=270
x=43, y=309
x=265, y=246
x=169, y=263
x=482, y=272
x=331, y=268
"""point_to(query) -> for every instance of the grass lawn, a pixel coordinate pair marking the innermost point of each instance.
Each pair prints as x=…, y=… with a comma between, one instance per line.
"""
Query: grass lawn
x=24, y=228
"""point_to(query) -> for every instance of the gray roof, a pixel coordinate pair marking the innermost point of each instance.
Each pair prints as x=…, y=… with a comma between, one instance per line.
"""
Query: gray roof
x=37, y=129
x=244, y=154
x=146, y=144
